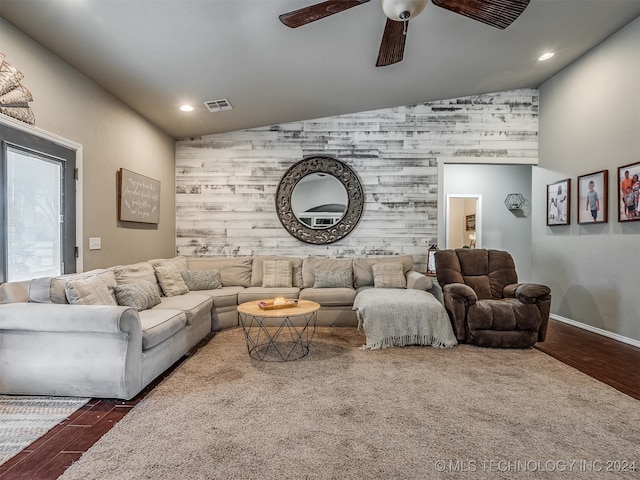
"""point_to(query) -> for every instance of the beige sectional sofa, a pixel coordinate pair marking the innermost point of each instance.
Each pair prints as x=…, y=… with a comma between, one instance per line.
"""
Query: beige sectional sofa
x=127, y=324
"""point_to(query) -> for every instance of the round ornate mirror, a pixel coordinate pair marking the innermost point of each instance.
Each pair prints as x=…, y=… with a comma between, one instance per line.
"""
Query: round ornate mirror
x=319, y=200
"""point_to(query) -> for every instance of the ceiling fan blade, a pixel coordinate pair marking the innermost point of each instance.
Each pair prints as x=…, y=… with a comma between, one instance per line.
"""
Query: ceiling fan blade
x=392, y=45
x=497, y=13
x=305, y=15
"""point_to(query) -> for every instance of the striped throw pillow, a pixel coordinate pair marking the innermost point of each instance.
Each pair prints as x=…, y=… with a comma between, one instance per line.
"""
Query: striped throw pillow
x=90, y=291
x=389, y=275
x=277, y=273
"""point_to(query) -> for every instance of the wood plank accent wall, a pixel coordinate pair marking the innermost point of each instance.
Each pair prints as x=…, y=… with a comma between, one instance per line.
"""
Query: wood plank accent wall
x=226, y=183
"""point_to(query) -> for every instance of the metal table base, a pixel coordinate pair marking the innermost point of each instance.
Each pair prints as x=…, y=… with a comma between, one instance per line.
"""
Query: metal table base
x=284, y=343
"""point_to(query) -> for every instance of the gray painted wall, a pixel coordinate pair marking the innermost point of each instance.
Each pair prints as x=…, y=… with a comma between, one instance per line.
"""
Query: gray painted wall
x=226, y=183
x=590, y=121
x=502, y=228
x=68, y=104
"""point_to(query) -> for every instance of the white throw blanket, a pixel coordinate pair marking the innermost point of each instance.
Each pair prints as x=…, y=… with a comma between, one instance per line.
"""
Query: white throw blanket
x=394, y=317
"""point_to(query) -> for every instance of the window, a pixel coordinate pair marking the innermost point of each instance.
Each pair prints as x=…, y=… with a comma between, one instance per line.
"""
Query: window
x=38, y=207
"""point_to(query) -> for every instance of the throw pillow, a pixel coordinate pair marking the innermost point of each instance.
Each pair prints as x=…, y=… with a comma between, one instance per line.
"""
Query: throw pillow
x=277, y=273
x=89, y=291
x=171, y=281
x=333, y=279
x=175, y=263
x=136, y=272
x=202, y=279
x=40, y=290
x=140, y=295
x=389, y=275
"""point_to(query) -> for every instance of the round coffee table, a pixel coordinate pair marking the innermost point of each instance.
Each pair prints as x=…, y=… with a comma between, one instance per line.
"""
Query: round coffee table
x=290, y=336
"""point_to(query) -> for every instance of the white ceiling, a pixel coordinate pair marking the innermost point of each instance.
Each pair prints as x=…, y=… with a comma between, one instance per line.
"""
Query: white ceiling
x=155, y=55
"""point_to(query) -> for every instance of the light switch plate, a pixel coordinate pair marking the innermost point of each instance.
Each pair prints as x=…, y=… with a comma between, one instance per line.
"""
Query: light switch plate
x=95, y=243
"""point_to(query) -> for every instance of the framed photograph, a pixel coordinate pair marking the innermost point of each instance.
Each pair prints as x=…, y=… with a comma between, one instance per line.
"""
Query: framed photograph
x=138, y=198
x=559, y=202
x=628, y=192
x=592, y=197
x=471, y=222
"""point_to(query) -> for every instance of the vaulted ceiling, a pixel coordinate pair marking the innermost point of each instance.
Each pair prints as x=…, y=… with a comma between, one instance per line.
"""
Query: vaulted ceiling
x=156, y=55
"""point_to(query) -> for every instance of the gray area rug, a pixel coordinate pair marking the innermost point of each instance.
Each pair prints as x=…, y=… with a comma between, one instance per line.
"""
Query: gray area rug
x=24, y=419
x=346, y=413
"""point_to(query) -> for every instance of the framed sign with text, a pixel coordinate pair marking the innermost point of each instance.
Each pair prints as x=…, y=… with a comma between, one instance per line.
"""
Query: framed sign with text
x=138, y=198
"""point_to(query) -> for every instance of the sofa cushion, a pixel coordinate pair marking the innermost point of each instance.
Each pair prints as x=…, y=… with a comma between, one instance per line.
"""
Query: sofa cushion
x=140, y=295
x=159, y=325
x=223, y=297
x=234, y=271
x=473, y=262
x=363, y=268
x=171, y=281
x=504, y=315
x=93, y=290
x=14, y=292
x=202, y=279
x=502, y=272
x=480, y=284
x=134, y=273
x=263, y=293
x=257, y=272
x=329, y=296
x=333, y=279
x=389, y=275
x=277, y=274
x=192, y=304
x=311, y=264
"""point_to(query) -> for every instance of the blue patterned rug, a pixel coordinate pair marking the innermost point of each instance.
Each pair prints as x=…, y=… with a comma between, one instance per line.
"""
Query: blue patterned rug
x=24, y=419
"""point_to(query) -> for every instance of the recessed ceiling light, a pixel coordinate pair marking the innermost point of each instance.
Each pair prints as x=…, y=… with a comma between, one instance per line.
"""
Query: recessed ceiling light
x=545, y=56
x=186, y=108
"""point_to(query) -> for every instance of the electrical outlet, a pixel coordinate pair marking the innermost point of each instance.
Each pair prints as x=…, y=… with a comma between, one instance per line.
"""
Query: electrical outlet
x=95, y=243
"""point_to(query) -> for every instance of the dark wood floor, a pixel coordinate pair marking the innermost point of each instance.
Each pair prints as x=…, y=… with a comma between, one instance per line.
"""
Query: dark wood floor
x=607, y=360
x=612, y=362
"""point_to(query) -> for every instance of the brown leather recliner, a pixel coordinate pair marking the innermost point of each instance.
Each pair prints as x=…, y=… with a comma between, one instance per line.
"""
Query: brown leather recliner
x=486, y=304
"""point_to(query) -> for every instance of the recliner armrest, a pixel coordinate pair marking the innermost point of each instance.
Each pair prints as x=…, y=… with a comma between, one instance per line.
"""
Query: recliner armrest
x=461, y=290
x=527, y=292
x=457, y=298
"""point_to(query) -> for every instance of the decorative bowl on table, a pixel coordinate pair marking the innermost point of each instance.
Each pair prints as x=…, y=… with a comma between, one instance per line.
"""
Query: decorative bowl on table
x=278, y=302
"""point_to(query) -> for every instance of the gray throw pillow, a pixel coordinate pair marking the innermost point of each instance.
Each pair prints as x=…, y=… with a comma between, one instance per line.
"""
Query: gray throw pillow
x=140, y=295
x=333, y=279
x=40, y=290
x=202, y=279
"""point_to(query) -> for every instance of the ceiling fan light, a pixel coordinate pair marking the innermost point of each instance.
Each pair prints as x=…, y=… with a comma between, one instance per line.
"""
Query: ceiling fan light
x=395, y=9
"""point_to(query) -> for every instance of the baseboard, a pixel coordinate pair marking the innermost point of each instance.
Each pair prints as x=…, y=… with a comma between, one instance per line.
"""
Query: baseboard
x=599, y=331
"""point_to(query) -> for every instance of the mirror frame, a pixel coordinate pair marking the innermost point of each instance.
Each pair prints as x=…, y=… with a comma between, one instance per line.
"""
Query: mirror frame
x=329, y=166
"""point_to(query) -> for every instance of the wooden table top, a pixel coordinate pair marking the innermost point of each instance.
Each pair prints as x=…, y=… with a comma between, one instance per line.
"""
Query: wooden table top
x=302, y=308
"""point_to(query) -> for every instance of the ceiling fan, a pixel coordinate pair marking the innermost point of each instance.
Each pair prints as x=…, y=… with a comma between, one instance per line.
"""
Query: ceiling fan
x=497, y=13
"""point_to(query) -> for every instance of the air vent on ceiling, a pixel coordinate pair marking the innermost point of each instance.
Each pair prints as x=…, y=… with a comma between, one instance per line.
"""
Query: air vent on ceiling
x=218, y=105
